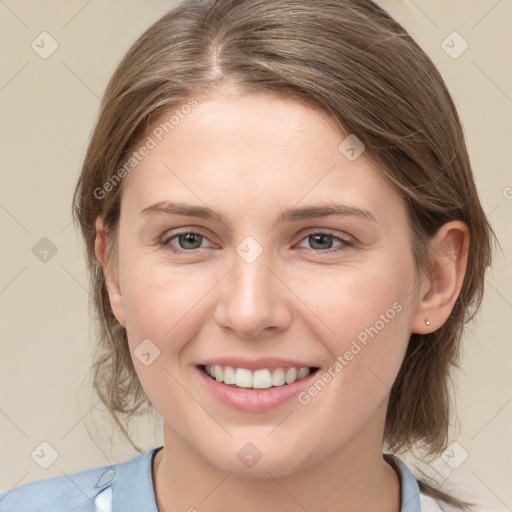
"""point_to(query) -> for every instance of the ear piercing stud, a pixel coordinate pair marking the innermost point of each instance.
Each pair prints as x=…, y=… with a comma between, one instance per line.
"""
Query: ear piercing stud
x=427, y=322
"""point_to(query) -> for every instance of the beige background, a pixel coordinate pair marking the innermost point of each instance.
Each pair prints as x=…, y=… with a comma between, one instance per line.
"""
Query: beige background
x=48, y=107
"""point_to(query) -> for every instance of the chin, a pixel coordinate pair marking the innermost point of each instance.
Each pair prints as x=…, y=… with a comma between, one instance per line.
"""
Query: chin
x=258, y=459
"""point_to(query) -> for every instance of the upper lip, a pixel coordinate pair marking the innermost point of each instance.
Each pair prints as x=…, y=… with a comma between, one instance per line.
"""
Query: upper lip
x=258, y=363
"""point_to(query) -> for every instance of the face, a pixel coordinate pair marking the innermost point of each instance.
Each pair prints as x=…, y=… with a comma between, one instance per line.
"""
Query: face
x=230, y=262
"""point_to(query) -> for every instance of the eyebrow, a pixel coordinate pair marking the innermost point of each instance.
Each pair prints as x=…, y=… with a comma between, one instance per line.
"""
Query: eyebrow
x=289, y=214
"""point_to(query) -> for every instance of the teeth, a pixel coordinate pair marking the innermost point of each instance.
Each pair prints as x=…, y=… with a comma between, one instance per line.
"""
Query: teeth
x=278, y=377
x=303, y=372
x=219, y=373
x=259, y=379
x=229, y=375
x=291, y=376
x=243, y=378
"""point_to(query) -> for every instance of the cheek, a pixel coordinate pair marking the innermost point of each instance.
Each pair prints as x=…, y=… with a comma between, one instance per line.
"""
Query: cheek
x=163, y=312
x=355, y=302
x=155, y=296
x=368, y=315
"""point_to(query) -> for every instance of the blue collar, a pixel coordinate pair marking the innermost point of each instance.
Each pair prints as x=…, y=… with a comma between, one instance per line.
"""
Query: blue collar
x=410, y=497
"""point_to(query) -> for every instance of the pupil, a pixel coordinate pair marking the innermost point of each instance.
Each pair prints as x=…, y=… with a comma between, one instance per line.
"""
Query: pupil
x=323, y=238
x=188, y=238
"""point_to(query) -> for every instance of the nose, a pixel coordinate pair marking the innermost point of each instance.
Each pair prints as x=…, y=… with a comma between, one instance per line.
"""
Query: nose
x=253, y=300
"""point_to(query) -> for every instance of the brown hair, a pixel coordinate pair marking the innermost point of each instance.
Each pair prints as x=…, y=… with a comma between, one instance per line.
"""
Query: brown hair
x=350, y=59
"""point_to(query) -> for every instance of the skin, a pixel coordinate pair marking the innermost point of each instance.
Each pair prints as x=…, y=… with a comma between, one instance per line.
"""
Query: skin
x=249, y=157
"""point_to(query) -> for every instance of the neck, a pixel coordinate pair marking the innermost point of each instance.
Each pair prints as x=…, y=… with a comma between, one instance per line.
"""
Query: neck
x=355, y=477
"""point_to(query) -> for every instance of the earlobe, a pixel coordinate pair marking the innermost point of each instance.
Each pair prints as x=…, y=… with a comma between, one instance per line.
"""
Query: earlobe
x=439, y=291
x=111, y=279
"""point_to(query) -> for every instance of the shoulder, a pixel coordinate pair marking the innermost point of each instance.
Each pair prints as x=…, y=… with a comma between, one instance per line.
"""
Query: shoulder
x=82, y=490
x=75, y=491
x=416, y=500
x=429, y=504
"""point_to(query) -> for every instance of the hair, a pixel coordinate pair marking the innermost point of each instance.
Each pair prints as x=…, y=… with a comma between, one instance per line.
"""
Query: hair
x=351, y=60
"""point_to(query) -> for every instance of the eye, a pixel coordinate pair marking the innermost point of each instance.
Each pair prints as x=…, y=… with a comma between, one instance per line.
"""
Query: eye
x=186, y=241
x=322, y=241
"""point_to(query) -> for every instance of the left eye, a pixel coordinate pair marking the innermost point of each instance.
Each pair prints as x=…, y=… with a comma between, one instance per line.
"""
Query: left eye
x=323, y=241
x=320, y=241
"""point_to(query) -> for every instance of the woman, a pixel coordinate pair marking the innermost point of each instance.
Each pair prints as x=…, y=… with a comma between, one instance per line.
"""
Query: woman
x=285, y=241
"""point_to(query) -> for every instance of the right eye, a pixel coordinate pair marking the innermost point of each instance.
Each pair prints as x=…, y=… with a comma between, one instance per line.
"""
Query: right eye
x=187, y=241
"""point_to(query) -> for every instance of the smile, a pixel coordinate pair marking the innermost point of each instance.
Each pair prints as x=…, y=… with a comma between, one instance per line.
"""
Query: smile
x=263, y=378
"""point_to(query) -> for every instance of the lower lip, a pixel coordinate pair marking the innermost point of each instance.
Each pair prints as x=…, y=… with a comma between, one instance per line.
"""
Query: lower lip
x=254, y=400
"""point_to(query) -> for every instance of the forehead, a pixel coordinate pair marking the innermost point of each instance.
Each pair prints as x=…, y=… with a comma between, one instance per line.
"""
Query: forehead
x=252, y=149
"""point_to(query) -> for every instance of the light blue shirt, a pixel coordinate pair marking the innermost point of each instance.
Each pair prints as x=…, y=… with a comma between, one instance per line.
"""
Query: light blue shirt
x=128, y=486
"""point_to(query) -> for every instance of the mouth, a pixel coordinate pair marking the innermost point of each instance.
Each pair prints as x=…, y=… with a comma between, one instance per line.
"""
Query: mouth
x=258, y=379
x=256, y=385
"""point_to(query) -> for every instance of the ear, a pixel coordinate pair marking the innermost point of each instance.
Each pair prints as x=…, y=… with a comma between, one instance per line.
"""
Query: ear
x=439, y=291
x=111, y=279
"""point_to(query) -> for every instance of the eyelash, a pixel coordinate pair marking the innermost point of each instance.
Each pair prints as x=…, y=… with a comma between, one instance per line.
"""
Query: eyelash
x=345, y=242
